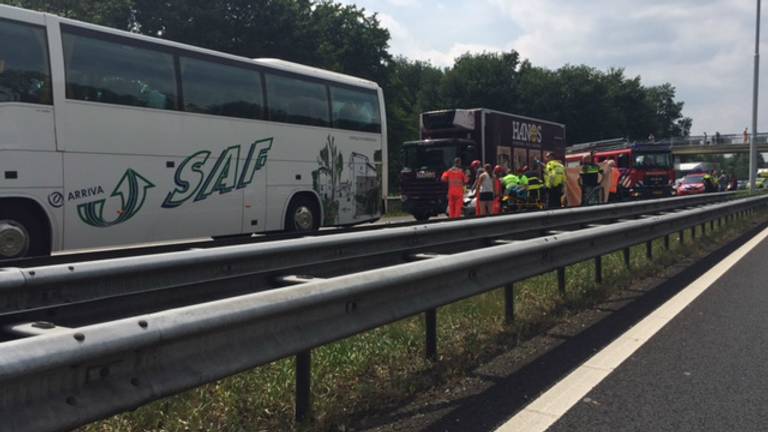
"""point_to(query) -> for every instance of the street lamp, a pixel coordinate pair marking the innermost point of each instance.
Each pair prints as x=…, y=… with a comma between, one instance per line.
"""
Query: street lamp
x=753, y=141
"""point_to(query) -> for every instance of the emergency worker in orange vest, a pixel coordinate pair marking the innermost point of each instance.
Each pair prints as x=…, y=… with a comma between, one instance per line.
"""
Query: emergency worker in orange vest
x=615, y=176
x=456, y=180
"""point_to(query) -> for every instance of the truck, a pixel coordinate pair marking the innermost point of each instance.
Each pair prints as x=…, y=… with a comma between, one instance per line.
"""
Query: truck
x=647, y=168
x=512, y=141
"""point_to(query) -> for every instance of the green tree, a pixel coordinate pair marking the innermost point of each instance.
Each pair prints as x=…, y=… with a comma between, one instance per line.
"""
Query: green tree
x=488, y=80
x=349, y=41
x=593, y=104
x=668, y=112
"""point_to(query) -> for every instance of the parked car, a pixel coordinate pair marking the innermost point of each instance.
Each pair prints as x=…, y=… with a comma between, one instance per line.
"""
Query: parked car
x=692, y=184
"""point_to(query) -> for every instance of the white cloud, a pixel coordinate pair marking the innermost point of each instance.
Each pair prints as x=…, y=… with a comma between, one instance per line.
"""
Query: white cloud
x=703, y=47
x=402, y=3
x=409, y=46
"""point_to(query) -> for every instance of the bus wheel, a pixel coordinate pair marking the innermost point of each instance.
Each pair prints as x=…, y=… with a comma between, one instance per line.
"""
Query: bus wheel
x=303, y=215
x=21, y=235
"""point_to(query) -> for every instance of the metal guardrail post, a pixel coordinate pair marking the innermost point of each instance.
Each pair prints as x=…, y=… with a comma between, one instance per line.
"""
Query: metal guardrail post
x=303, y=386
x=627, y=258
x=561, y=280
x=682, y=237
x=649, y=249
x=430, y=319
x=667, y=246
x=693, y=232
x=509, y=303
x=599, y=269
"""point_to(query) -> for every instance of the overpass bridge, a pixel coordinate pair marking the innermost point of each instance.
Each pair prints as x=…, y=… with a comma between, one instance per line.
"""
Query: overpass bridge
x=723, y=144
x=687, y=146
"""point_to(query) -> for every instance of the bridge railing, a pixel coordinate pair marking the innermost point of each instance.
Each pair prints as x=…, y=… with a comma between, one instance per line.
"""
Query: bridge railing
x=712, y=140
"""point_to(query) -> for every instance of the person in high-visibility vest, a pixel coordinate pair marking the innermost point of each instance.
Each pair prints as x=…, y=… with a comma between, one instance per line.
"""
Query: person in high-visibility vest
x=510, y=183
x=456, y=180
x=590, y=179
x=554, y=179
x=709, y=183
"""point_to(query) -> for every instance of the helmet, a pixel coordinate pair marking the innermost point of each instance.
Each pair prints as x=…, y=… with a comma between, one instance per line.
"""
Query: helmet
x=499, y=170
x=475, y=164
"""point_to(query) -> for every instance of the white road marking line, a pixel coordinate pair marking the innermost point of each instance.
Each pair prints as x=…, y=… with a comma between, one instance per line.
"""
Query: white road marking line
x=542, y=413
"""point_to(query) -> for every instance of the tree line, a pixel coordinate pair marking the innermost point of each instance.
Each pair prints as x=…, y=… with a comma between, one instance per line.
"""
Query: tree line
x=593, y=104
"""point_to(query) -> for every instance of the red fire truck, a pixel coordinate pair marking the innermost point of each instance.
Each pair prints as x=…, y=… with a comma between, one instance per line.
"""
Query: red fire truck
x=647, y=169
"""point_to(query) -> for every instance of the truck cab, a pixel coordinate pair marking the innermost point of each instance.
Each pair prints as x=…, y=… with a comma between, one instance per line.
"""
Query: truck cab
x=424, y=161
x=647, y=169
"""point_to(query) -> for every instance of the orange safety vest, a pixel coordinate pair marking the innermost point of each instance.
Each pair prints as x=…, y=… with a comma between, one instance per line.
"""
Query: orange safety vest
x=456, y=181
x=615, y=174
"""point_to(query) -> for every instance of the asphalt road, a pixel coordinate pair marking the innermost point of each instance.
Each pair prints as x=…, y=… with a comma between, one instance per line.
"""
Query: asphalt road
x=706, y=370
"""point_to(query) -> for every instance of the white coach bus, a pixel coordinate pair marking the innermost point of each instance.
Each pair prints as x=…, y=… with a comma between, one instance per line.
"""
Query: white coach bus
x=112, y=138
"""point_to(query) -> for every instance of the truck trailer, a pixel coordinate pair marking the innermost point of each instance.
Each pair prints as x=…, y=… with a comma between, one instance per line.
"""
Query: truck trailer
x=498, y=138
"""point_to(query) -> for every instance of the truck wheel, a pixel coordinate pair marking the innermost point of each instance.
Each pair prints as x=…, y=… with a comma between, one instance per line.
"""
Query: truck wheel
x=302, y=215
x=21, y=234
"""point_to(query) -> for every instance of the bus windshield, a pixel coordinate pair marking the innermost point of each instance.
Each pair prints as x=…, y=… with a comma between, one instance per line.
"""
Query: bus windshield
x=653, y=160
x=433, y=157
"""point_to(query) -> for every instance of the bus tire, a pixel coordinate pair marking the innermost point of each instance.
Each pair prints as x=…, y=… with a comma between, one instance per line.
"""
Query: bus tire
x=303, y=214
x=23, y=231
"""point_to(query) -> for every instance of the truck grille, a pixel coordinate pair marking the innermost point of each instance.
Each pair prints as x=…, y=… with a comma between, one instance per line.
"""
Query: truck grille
x=417, y=189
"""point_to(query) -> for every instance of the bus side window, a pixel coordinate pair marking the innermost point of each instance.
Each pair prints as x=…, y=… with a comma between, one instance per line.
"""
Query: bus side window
x=118, y=73
x=355, y=110
x=219, y=89
x=295, y=100
x=24, y=71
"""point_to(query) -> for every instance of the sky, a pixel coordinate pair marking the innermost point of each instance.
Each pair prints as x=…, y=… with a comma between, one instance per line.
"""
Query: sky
x=705, y=48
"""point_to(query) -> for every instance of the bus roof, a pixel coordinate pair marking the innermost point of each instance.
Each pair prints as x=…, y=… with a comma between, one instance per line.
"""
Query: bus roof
x=267, y=63
x=316, y=72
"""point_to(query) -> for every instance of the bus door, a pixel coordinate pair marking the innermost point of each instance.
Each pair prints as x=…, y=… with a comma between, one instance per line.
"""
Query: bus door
x=26, y=103
x=255, y=192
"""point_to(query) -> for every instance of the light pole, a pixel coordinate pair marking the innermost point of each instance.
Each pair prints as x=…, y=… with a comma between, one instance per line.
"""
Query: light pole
x=753, y=141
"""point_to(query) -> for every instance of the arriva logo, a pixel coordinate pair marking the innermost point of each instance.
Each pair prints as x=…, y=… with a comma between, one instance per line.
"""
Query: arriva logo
x=132, y=190
x=198, y=177
x=527, y=132
x=195, y=178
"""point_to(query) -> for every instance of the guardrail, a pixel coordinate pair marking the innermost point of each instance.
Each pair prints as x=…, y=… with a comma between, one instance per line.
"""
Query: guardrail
x=69, y=377
x=245, y=268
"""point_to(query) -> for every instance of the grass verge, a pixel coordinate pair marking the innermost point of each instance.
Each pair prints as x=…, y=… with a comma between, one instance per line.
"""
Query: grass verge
x=384, y=368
